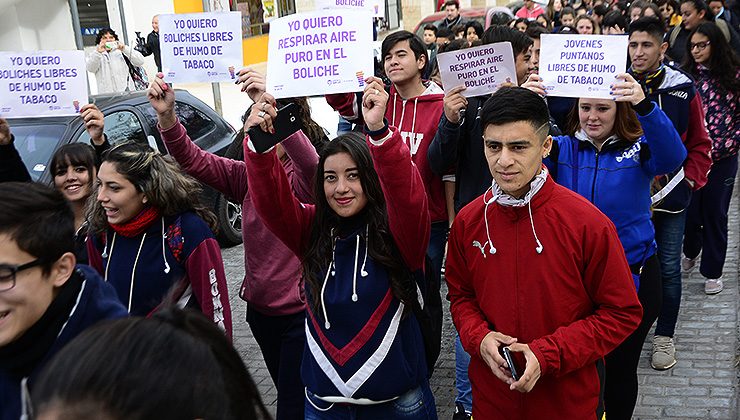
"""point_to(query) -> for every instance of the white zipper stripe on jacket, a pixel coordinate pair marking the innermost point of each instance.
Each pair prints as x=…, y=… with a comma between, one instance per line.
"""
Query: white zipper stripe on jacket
x=348, y=388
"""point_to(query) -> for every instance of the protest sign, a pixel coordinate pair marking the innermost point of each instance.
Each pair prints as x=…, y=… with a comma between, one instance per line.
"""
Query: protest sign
x=42, y=83
x=376, y=7
x=581, y=66
x=320, y=52
x=201, y=47
x=482, y=70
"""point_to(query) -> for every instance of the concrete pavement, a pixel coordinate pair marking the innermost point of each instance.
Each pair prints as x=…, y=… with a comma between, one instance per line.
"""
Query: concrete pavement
x=703, y=384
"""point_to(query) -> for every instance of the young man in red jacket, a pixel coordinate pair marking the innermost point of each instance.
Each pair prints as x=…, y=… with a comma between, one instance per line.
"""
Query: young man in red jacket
x=535, y=267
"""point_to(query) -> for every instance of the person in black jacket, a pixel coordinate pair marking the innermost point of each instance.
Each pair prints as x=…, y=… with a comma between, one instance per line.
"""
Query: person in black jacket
x=152, y=44
x=11, y=164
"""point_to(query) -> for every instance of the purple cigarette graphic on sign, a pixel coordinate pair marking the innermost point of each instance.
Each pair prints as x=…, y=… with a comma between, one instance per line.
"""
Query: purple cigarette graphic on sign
x=360, y=78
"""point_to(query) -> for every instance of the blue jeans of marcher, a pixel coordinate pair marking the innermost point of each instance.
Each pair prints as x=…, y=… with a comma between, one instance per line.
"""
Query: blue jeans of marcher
x=669, y=230
x=416, y=404
x=436, y=251
x=436, y=247
x=462, y=382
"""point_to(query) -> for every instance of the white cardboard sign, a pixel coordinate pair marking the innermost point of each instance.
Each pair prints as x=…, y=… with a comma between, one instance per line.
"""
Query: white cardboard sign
x=581, y=66
x=201, y=47
x=374, y=6
x=320, y=52
x=42, y=83
x=482, y=70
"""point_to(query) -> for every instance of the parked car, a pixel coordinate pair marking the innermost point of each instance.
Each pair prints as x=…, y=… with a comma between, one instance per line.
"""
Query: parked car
x=484, y=15
x=129, y=116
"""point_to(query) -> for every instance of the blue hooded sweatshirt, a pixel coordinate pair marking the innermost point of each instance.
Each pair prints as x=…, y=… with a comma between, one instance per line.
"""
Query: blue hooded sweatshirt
x=617, y=178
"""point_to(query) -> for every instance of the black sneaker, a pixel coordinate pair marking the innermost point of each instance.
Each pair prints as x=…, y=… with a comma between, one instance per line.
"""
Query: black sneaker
x=460, y=413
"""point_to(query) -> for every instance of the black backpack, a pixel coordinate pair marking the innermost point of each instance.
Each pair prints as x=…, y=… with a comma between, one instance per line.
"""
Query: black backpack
x=428, y=311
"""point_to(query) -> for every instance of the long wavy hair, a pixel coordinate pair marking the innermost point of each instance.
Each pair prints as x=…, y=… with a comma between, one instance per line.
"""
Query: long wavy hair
x=159, y=177
x=382, y=247
x=723, y=61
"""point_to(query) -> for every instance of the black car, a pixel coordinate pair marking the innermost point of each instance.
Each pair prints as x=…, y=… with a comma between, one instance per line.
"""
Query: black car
x=129, y=116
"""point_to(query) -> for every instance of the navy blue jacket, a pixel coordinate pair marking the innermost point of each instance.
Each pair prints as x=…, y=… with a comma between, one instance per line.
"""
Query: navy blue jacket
x=617, y=179
x=96, y=301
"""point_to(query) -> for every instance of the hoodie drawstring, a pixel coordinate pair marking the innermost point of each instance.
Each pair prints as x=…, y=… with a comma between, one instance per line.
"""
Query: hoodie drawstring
x=403, y=114
x=363, y=273
x=164, y=256
x=354, y=272
x=105, y=255
x=413, y=119
x=133, y=273
x=539, y=248
x=329, y=271
x=393, y=122
x=492, y=249
x=497, y=195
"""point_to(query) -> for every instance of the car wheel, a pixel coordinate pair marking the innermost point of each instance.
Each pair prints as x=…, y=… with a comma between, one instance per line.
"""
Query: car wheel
x=229, y=216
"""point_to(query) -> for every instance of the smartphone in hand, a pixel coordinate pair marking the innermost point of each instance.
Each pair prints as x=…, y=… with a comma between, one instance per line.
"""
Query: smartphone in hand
x=286, y=123
x=506, y=353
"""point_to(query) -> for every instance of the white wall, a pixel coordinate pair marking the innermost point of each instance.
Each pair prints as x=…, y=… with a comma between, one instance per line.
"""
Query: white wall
x=36, y=25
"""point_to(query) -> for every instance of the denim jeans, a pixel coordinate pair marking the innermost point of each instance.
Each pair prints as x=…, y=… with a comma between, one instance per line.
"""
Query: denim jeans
x=416, y=404
x=669, y=229
x=436, y=247
x=462, y=382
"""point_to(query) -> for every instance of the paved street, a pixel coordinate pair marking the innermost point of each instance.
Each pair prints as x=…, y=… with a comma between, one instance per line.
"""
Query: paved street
x=703, y=385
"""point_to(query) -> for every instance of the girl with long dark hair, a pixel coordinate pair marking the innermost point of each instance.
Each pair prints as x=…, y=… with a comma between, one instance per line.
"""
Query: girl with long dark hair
x=150, y=236
x=716, y=70
x=272, y=284
x=362, y=246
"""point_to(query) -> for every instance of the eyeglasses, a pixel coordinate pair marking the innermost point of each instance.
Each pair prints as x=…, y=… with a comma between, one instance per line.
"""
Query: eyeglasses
x=8, y=272
x=700, y=45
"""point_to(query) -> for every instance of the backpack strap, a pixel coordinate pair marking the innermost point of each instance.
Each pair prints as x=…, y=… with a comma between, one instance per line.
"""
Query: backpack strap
x=674, y=35
x=722, y=25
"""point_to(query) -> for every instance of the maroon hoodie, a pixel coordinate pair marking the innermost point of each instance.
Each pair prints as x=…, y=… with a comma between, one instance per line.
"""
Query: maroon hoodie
x=272, y=279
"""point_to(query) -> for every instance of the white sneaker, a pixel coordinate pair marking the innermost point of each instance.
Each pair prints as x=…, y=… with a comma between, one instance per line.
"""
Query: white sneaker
x=664, y=353
x=713, y=286
x=687, y=263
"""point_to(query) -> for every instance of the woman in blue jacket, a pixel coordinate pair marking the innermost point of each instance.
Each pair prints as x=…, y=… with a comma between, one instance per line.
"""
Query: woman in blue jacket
x=613, y=150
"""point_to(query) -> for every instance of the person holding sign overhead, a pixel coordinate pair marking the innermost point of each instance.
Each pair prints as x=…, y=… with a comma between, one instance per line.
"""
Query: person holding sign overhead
x=363, y=249
x=272, y=285
x=414, y=107
x=109, y=63
x=613, y=150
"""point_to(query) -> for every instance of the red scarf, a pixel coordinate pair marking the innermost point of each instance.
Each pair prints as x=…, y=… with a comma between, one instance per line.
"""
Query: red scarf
x=138, y=224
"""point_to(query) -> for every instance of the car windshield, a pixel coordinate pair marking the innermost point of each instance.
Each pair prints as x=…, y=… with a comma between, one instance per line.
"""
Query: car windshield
x=36, y=144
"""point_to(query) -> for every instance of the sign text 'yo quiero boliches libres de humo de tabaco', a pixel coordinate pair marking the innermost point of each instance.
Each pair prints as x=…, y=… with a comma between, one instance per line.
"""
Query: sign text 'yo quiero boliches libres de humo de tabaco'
x=482, y=70
x=581, y=66
x=201, y=47
x=320, y=52
x=42, y=83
